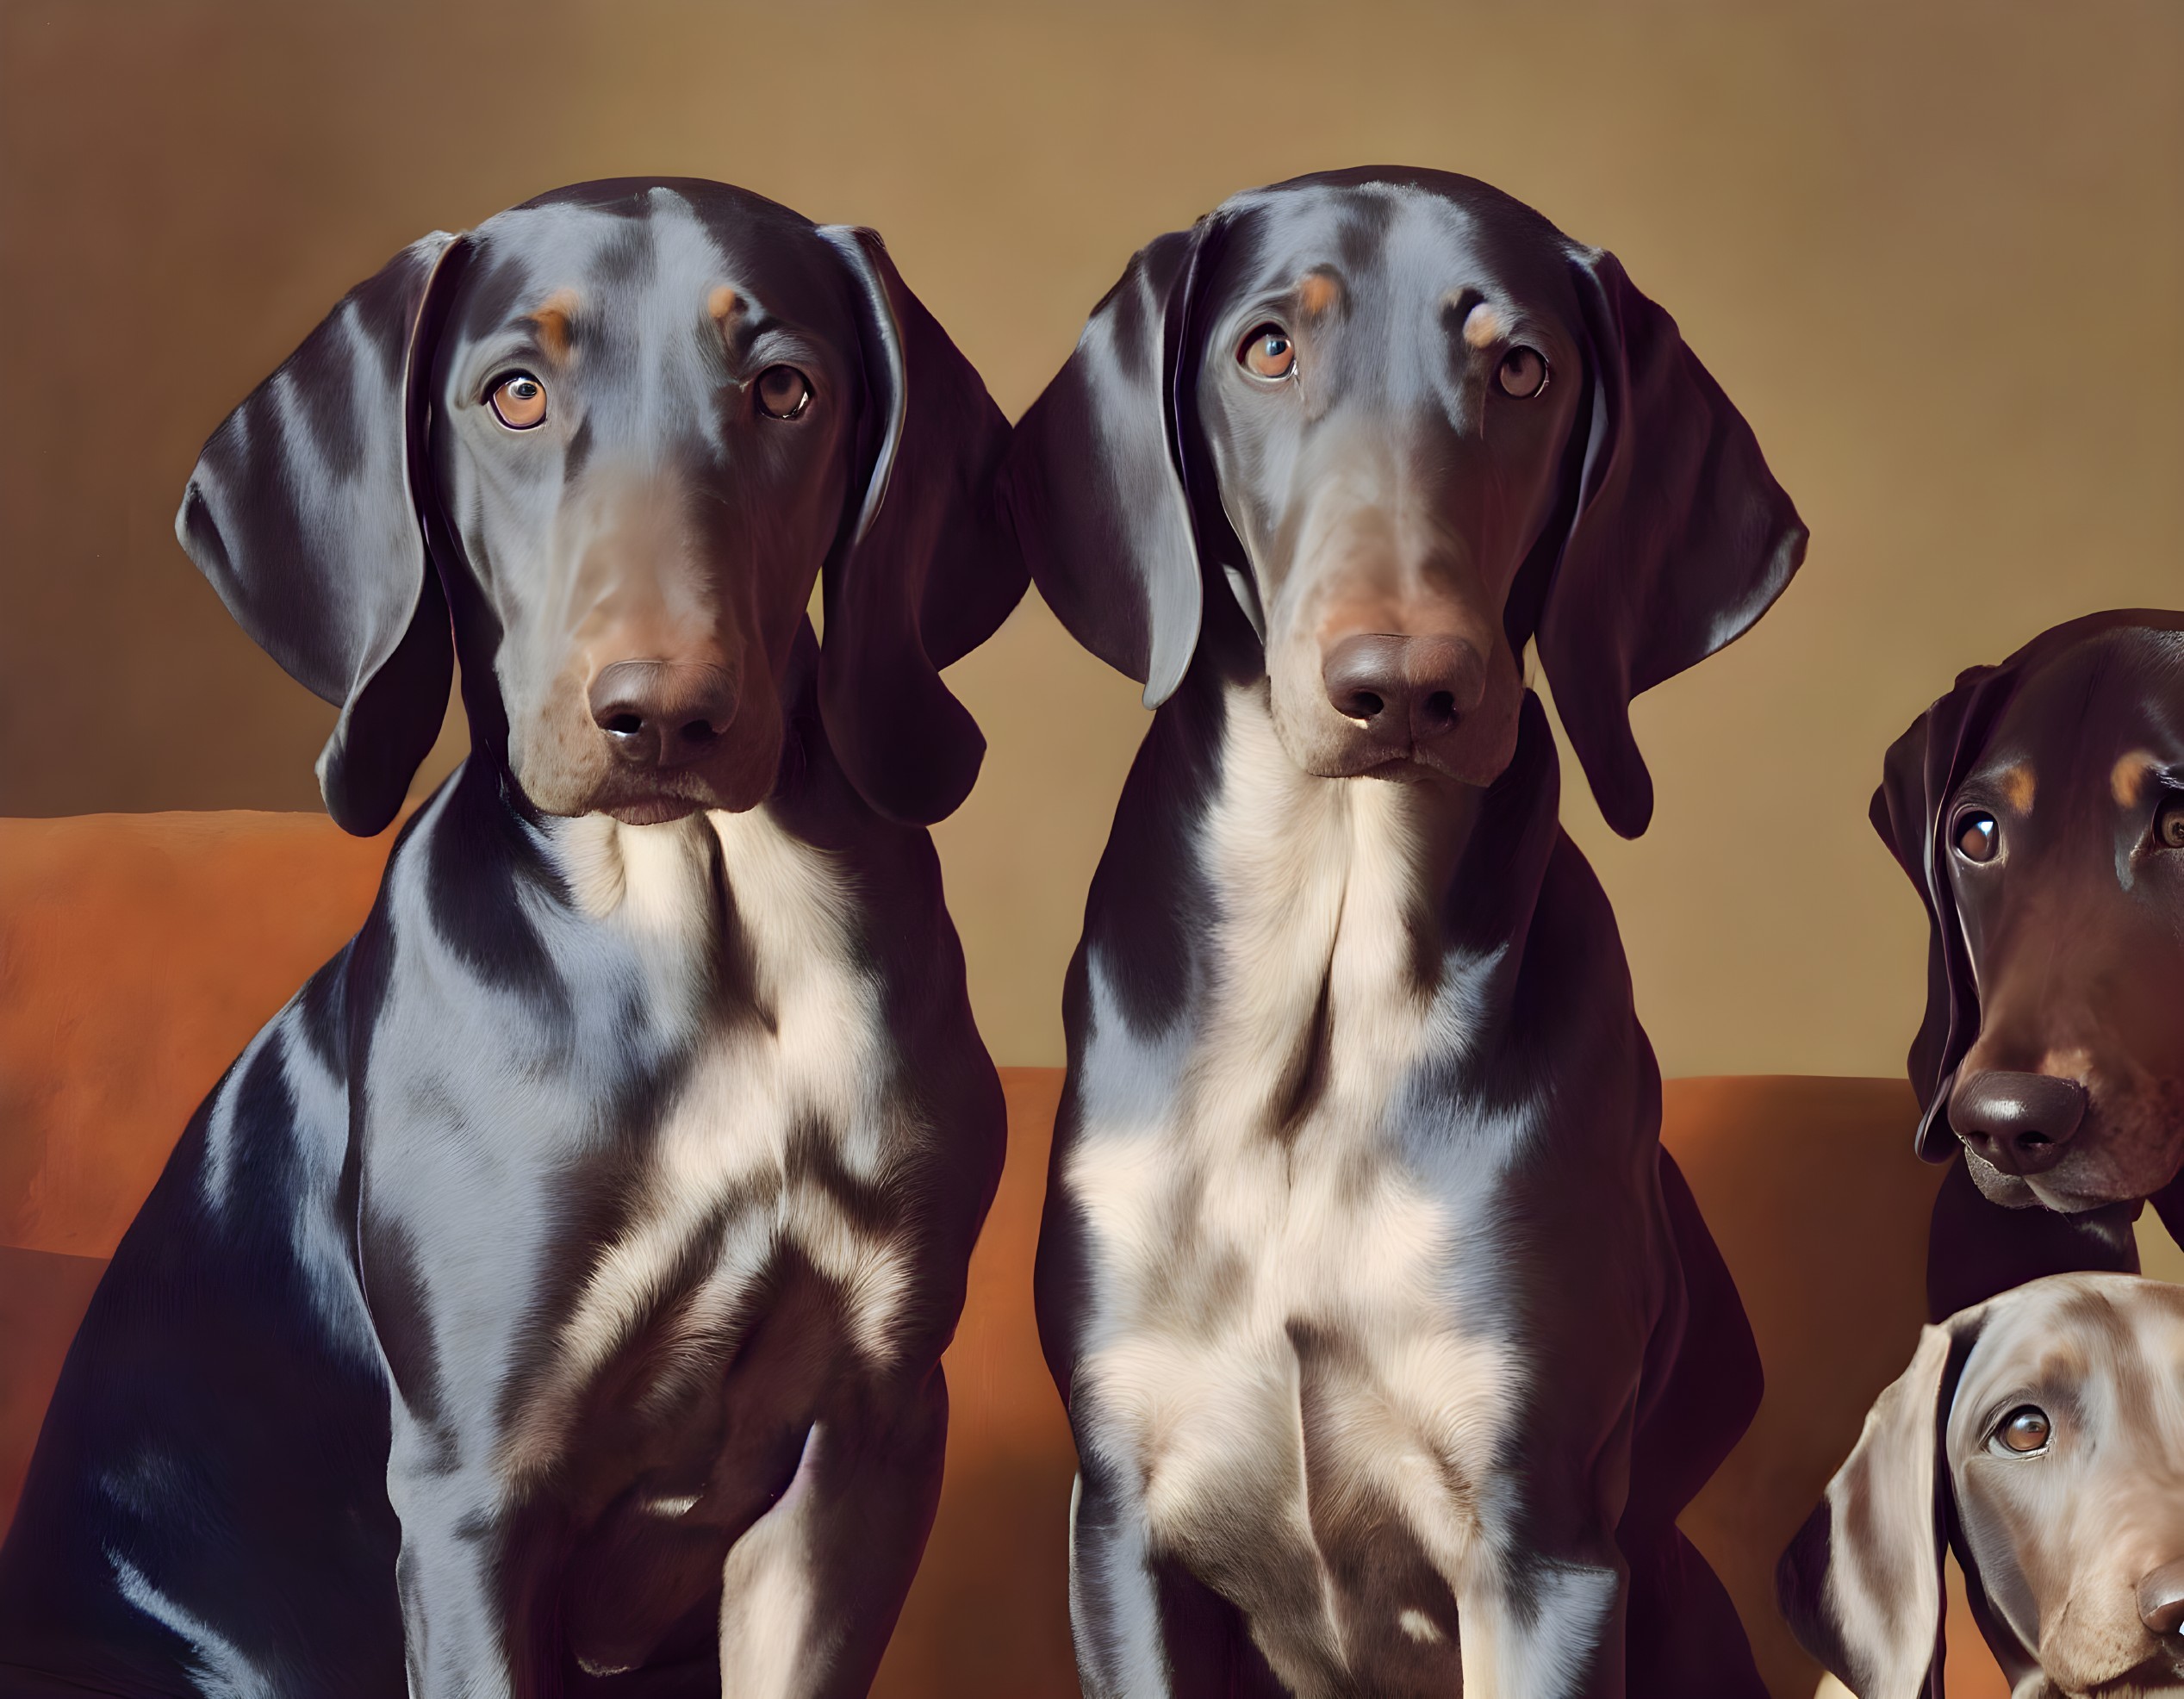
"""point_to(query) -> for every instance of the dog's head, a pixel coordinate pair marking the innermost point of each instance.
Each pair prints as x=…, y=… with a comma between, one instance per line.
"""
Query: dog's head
x=2039, y=808
x=1386, y=425
x=2042, y=1432
x=622, y=429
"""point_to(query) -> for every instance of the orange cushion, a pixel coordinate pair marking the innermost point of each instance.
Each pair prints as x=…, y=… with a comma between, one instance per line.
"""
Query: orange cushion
x=988, y=1616
x=138, y=954
x=1812, y=1190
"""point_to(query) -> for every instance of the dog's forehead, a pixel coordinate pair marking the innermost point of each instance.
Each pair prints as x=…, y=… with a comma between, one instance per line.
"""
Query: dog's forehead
x=1392, y=241
x=2097, y=1341
x=2119, y=690
x=658, y=252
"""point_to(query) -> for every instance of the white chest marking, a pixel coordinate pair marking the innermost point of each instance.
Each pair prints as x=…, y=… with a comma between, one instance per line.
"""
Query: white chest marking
x=818, y=1063
x=1228, y=1224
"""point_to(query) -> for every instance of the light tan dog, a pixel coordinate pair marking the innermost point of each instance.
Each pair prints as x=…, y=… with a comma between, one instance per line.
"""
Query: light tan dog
x=2041, y=1435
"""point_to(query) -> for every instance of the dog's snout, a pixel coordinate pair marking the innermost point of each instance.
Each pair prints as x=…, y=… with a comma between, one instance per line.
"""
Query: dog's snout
x=1413, y=688
x=2161, y=1601
x=2019, y=1122
x=657, y=713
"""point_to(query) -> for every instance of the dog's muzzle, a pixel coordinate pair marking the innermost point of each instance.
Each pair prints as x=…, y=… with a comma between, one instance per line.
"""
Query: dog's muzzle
x=1404, y=690
x=660, y=716
x=2021, y=1123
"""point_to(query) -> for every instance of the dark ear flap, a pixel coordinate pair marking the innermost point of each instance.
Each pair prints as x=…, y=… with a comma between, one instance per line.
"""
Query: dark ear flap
x=1862, y=1584
x=303, y=513
x=1682, y=537
x=1095, y=483
x=1918, y=775
x=926, y=568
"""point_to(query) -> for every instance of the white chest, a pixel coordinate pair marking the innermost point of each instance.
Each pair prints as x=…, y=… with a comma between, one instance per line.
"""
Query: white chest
x=780, y=1111
x=1270, y=1264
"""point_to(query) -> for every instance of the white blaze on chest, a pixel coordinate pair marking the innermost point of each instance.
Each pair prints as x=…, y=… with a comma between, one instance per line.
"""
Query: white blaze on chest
x=1222, y=1216
x=809, y=1062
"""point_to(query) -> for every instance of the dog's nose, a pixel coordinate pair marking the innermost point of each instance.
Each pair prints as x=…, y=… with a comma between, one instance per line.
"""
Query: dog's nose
x=655, y=714
x=1415, y=687
x=2160, y=1601
x=2019, y=1122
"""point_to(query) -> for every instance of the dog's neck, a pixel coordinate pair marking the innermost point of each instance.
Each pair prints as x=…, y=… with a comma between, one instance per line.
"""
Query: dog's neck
x=1298, y=852
x=1352, y=920
x=712, y=910
x=1378, y=855
x=733, y=937
x=693, y=884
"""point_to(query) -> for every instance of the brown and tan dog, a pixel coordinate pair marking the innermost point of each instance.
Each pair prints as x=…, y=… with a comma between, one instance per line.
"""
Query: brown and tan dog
x=2038, y=807
x=2040, y=1436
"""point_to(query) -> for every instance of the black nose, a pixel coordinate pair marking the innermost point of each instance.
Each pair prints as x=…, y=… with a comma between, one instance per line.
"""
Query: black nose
x=2160, y=1601
x=2019, y=1122
x=1414, y=688
x=655, y=714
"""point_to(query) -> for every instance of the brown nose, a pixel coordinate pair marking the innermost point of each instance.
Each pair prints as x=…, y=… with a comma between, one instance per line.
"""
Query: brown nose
x=1407, y=687
x=2160, y=1601
x=658, y=714
x=2019, y=1122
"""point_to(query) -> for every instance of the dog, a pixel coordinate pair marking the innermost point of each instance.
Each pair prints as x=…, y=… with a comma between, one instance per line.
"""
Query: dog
x=1392, y=1340
x=2040, y=1436
x=2038, y=810
x=551, y=1299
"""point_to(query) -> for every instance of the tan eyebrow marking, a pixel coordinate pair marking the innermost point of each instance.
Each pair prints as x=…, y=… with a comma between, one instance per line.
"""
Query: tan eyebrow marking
x=2127, y=778
x=722, y=305
x=1316, y=292
x=2017, y=787
x=1482, y=326
x=551, y=320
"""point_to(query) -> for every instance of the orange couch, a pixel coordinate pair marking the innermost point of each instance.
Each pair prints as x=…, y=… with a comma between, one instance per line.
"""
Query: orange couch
x=137, y=954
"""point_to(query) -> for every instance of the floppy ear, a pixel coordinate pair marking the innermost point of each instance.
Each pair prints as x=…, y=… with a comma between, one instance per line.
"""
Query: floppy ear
x=1920, y=772
x=1095, y=483
x=926, y=569
x=1682, y=537
x=303, y=513
x=1862, y=1585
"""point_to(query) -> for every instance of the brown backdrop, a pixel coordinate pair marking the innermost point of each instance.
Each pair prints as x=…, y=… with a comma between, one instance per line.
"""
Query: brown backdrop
x=1935, y=251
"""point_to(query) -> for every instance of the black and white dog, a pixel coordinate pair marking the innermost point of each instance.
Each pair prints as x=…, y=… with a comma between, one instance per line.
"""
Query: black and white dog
x=1392, y=1343
x=551, y=1299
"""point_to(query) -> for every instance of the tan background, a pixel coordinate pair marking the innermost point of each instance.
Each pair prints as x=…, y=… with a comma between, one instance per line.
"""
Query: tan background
x=1935, y=252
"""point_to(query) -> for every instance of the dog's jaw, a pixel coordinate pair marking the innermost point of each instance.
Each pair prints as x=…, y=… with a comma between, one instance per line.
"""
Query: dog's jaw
x=2011, y=1192
x=561, y=763
x=1324, y=744
x=2129, y=1148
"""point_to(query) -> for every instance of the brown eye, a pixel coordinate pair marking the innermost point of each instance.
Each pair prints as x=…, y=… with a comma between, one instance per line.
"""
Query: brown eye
x=783, y=392
x=1267, y=352
x=1979, y=838
x=1523, y=373
x=2025, y=1429
x=2168, y=822
x=519, y=401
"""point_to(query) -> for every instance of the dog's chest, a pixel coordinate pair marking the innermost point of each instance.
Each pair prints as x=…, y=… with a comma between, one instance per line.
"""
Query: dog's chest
x=1275, y=1305
x=761, y=1161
